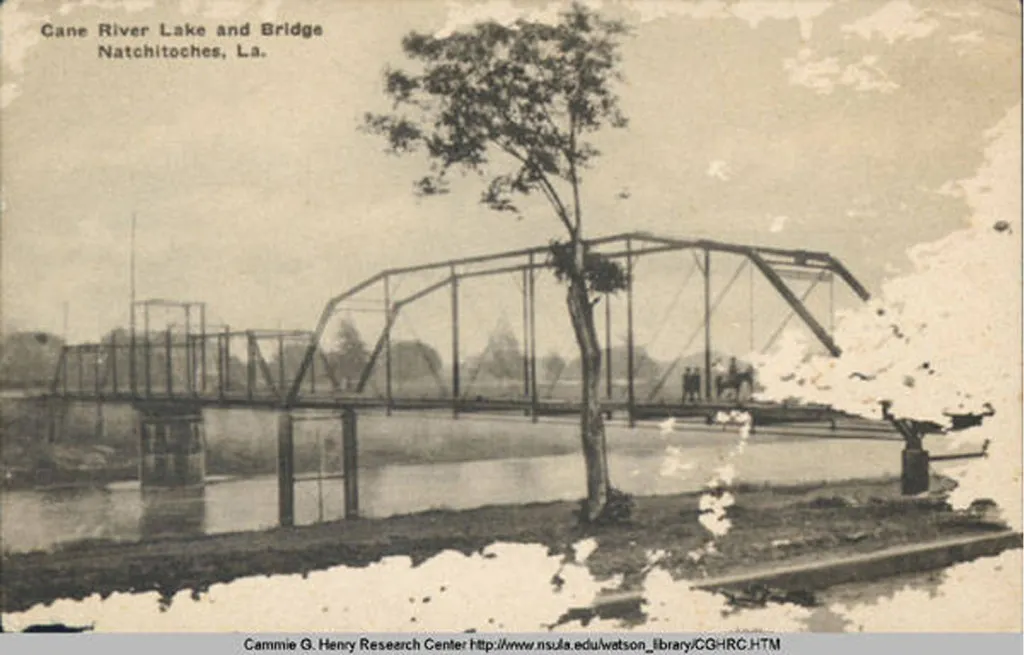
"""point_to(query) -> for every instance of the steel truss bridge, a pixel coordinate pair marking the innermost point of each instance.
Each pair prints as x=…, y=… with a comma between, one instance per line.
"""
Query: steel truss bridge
x=198, y=364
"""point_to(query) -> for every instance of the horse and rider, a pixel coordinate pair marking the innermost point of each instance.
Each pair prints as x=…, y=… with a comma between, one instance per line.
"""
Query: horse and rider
x=726, y=379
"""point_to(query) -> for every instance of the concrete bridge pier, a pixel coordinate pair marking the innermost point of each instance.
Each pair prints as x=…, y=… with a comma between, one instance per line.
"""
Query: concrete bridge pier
x=172, y=444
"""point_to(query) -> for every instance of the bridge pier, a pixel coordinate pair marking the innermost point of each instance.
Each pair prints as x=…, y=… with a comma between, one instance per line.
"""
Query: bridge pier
x=286, y=477
x=172, y=445
x=914, y=472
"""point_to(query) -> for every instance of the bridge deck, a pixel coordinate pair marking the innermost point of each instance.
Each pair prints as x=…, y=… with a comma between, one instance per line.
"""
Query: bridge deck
x=762, y=413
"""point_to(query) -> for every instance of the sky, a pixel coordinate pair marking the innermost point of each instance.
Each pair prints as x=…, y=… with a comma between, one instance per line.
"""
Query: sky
x=835, y=126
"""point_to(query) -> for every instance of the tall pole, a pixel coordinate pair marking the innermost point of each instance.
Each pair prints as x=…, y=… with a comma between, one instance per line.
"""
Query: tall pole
x=455, y=343
x=387, y=341
x=707, y=323
x=534, y=399
x=202, y=346
x=280, y=361
x=608, y=344
x=630, y=388
x=148, y=349
x=190, y=363
x=132, y=381
x=750, y=267
x=526, y=334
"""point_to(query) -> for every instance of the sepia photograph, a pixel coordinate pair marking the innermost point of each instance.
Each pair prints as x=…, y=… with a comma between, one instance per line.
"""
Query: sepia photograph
x=460, y=320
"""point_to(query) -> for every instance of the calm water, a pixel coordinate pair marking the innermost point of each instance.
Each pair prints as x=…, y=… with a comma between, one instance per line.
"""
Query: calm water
x=41, y=519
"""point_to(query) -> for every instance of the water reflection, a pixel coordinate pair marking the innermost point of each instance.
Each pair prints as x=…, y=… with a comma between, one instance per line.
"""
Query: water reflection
x=178, y=512
x=42, y=519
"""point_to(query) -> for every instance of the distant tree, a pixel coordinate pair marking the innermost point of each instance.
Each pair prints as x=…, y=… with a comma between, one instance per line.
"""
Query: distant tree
x=517, y=104
x=553, y=365
x=29, y=358
x=351, y=354
x=414, y=360
x=504, y=357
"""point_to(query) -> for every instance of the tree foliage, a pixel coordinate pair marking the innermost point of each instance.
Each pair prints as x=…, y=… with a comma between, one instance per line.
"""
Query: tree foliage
x=503, y=356
x=515, y=105
x=518, y=105
x=350, y=355
x=414, y=360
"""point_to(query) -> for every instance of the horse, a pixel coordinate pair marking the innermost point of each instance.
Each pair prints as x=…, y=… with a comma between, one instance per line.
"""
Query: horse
x=733, y=381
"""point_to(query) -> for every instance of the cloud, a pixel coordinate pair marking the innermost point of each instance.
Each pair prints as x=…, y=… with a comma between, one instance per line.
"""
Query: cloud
x=827, y=74
x=898, y=20
x=719, y=170
x=8, y=92
x=778, y=224
x=462, y=14
x=752, y=13
x=974, y=36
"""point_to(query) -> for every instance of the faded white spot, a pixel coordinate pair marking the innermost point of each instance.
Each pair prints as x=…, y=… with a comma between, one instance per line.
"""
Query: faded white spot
x=825, y=75
x=940, y=340
x=974, y=36
x=778, y=224
x=898, y=20
x=719, y=170
x=753, y=13
x=963, y=602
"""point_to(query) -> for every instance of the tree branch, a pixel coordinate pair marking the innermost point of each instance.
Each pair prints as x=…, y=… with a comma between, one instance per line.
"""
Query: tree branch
x=549, y=190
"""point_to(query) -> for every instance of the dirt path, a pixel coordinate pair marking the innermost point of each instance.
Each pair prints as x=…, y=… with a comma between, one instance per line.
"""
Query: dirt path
x=791, y=524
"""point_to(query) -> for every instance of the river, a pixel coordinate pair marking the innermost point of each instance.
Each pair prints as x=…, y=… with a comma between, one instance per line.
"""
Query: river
x=42, y=519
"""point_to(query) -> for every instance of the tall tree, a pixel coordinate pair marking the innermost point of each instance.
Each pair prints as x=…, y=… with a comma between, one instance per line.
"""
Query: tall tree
x=517, y=104
x=504, y=357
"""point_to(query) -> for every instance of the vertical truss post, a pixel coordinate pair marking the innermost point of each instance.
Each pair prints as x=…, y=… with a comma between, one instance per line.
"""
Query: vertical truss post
x=190, y=363
x=202, y=347
x=132, y=371
x=707, y=324
x=388, y=392
x=169, y=356
x=113, y=360
x=630, y=388
x=312, y=374
x=526, y=334
x=96, y=370
x=64, y=372
x=250, y=364
x=148, y=350
x=221, y=368
x=81, y=370
x=608, y=345
x=751, y=309
x=455, y=343
x=531, y=284
x=226, y=380
x=280, y=362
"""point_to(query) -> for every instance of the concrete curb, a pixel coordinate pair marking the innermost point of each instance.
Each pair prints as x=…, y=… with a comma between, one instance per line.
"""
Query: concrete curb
x=810, y=576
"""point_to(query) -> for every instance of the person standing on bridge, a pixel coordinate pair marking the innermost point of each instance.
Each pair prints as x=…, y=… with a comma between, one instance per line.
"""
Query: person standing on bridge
x=687, y=385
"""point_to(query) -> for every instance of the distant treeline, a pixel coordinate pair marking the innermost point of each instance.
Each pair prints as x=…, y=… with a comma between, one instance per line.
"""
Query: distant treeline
x=30, y=358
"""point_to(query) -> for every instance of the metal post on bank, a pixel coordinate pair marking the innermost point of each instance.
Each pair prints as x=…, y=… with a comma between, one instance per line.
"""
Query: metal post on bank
x=285, y=469
x=350, y=462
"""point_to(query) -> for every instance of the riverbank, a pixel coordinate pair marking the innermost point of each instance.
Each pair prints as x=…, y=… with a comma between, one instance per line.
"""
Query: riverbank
x=784, y=525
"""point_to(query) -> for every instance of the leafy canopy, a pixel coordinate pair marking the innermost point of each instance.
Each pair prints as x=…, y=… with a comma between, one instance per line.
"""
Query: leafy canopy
x=514, y=104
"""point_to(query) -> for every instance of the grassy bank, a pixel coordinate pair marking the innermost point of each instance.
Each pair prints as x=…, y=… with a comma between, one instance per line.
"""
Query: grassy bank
x=769, y=525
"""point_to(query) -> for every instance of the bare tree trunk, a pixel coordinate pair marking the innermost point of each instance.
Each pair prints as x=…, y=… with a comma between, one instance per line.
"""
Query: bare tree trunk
x=591, y=418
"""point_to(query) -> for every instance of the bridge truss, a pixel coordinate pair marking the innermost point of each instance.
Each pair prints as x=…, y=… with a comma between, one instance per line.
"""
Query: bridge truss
x=290, y=369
